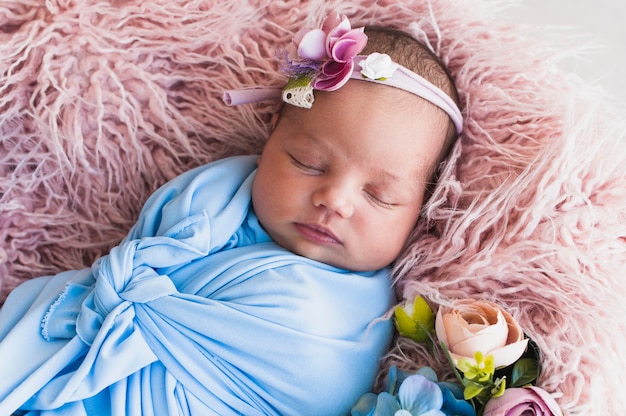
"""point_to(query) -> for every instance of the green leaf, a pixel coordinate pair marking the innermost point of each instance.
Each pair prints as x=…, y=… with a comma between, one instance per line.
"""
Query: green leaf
x=301, y=81
x=472, y=390
x=499, y=387
x=525, y=371
x=446, y=352
x=423, y=315
x=467, y=367
x=407, y=327
x=415, y=321
x=404, y=323
x=489, y=365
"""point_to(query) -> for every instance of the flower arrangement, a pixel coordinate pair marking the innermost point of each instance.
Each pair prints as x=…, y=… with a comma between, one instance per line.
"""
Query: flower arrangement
x=495, y=365
x=324, y=59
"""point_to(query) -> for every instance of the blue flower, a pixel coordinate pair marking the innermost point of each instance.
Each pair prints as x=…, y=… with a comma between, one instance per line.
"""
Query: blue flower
x=453, y=402
x=417, y=396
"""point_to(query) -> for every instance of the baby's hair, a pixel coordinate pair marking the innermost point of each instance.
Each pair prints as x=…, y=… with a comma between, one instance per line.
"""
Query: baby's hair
x=410, y=53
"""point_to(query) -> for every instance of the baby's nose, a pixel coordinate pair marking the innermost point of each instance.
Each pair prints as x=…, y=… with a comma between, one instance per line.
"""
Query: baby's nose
x=335, y=197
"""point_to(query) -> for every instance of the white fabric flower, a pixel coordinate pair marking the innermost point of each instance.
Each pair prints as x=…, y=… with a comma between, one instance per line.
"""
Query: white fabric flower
x=378, y=66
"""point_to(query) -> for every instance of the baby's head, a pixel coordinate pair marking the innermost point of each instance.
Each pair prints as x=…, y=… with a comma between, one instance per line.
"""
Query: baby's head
x=343, y=181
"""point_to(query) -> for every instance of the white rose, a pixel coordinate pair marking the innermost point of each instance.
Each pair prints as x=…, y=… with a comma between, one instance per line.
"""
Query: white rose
x=378, y=66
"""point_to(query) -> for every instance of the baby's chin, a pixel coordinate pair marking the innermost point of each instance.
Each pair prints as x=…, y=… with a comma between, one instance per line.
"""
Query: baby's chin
x=354, y=265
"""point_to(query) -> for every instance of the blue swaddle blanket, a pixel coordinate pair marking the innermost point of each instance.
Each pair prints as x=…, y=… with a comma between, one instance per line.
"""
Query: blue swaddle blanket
x=196, y=312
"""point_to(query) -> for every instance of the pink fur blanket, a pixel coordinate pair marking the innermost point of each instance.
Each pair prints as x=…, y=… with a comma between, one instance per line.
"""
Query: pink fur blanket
x=103, y=101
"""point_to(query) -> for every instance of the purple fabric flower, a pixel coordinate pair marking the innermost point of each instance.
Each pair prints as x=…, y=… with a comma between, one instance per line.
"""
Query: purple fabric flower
x=335, y=44
x=521, y=401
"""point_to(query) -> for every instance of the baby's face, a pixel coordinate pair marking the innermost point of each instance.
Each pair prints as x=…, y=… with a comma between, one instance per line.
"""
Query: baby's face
x=343, y=182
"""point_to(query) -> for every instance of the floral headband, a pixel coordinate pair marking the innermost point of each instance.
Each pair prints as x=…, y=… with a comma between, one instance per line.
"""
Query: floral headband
x=328, y=57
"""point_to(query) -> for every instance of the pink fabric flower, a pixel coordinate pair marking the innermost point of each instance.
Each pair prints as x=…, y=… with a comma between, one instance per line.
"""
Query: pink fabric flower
x=529, y=400
x=336, y=44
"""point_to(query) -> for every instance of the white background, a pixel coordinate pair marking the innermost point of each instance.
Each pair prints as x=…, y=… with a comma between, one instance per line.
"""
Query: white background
x=603, y=21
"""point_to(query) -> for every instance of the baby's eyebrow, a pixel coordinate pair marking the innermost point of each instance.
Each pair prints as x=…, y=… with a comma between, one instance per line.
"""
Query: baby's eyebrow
x=386, y=177
x=309, y=140
x=396, y=183
x=387, y=180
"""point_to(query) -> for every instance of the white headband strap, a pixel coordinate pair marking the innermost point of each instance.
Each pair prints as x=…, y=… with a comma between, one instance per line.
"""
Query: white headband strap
x=407, y=80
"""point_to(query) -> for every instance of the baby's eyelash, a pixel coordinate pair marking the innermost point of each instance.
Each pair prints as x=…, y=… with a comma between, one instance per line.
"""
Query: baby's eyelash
x=305, y=166
x=379, y=201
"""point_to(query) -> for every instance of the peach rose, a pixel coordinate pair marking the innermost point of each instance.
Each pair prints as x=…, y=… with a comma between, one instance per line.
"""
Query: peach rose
x=475, y=325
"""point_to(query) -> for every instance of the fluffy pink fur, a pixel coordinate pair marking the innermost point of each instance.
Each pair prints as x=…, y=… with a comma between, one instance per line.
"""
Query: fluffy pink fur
x=101, y=102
